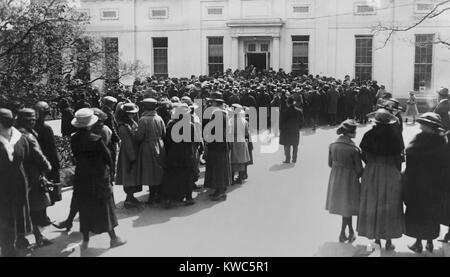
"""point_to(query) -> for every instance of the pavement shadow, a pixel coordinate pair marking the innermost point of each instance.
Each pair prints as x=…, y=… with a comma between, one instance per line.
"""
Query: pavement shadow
x=308, y=132
x=157, y=214
x=60, y=246
x=335, y=249
x=279, y=167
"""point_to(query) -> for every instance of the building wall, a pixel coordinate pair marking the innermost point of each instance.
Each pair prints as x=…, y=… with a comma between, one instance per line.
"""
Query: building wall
x=331, y=25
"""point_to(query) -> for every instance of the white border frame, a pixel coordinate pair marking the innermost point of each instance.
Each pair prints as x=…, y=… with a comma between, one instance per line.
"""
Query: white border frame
x=151, y=9
x=355, y=8
x=108, y=10
x=293, y=15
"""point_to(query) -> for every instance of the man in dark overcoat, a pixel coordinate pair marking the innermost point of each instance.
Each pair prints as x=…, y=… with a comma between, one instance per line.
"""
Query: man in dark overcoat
x=290, y=125
x=443, y=107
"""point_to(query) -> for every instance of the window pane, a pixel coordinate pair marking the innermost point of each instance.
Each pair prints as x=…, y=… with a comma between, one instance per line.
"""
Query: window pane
x=159, y=42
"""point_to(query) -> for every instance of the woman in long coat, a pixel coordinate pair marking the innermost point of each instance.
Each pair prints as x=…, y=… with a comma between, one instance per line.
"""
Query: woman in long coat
x=238, y=131
x=344, y=158
x=14, y=210
x=179, y=173
x=291, y=121
x=381, y=207
x=426, y=175
x=126, y=164
x=151, y=154
x=36, y=168
x=218, y=164
x=92, y=181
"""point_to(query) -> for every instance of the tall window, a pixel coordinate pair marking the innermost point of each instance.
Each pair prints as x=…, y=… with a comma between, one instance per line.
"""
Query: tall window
x=160, y=57
x=215, y=55
x=363, y=61
x=111, y=62
x=83, y=69
x=300, y=59
x=423, y=61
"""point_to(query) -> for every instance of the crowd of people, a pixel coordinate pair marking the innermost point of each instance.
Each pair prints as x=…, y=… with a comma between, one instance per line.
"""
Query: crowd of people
x=378, y=191
x=124, y=138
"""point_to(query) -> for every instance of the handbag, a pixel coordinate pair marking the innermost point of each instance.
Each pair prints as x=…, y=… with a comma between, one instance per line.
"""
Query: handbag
x=52, y=189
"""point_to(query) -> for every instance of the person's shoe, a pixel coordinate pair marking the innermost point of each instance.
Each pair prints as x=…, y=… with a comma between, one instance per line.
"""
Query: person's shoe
x=128, y=204
x=446, y=238
x=117, y=242
x=416, y=247
x=167, y=204
x=238, y=181
x=294, y=161
x=43, y=241
x=22, y=244
x=84, y=245
x=189, y=202
x=220, y=197
x=342, y=238
x=429, y=247
x=286, y=162
x=389, y=246
x=351, y=238
x=377, y=241
x=63, y=225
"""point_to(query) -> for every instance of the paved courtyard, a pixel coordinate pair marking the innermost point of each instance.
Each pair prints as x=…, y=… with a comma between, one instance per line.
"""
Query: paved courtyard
x=279, y=211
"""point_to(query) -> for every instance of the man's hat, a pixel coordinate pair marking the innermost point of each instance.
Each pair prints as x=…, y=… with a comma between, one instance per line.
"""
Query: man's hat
x=432, y=120
x=216, y=97
x=102, y=116
x=130, y=108
x=6, y=114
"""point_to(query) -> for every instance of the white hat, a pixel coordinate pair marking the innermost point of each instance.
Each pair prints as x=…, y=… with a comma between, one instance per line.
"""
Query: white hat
x=84, y=118
x=110, y=99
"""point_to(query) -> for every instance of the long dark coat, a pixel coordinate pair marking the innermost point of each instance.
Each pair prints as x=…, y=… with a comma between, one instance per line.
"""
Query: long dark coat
x=36, y=166
x=127, y=162
x=178, y=179
x=291, y=121
x=426, y=176
x=66, y=127
x=14, y=209
x=92, y=182
x=333, y=98
x=46, y=139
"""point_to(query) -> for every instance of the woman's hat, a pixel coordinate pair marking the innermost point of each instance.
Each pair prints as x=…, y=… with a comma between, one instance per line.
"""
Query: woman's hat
x=187, y=100
x=102, y=116
x=432, y=120
x=6, y=113
x=84, y=118
x=347, y=126
x=109, y=99
x=382, y=116
x=175, y=99
x=182, y=108
x=129, y=108
x=27, y=113
x=443, y=92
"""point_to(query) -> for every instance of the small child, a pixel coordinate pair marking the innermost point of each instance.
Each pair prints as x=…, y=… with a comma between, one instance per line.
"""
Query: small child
x=411, y=107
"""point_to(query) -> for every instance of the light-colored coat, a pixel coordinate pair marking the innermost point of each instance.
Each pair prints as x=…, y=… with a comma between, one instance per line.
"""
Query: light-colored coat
x=344, y=187
x=151, y=154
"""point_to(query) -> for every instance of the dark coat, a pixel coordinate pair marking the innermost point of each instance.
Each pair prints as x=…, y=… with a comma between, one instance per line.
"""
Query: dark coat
x=178, y=179
x=248, y=100
x=291, y=121
x=36, y=166
x=425, y=179
x=46, y=139
x=14, y=207
x=126, y=164
x=333, y=98
x=442, y=109
x=92, y=182
x=66, y=126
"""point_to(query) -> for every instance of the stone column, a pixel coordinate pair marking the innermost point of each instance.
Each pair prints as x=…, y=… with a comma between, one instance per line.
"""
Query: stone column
x=276, y=53
x=234, y=53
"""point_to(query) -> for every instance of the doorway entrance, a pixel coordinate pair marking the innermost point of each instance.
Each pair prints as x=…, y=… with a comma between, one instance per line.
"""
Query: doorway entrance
x=258, y=60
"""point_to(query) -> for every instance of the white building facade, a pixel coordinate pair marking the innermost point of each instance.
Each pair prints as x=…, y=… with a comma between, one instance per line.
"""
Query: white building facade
x=180, y=38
